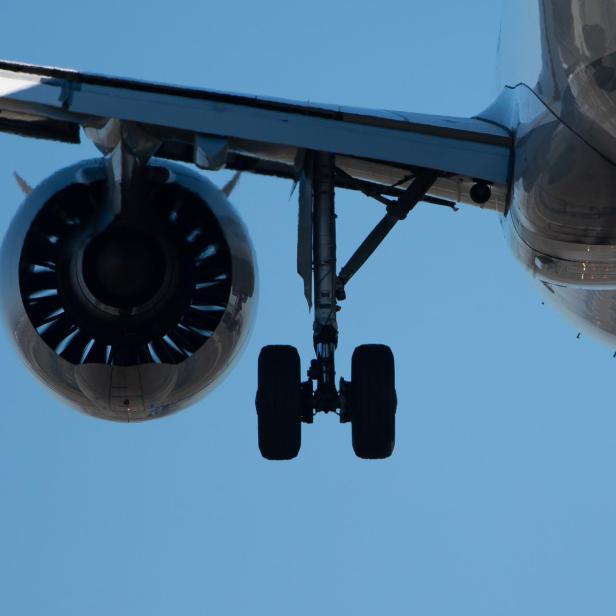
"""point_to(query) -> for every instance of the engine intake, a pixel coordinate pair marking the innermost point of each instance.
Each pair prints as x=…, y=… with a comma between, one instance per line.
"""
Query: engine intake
x=128, y=315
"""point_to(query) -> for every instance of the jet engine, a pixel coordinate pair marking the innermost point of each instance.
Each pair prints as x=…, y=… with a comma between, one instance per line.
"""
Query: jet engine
x=128, y=313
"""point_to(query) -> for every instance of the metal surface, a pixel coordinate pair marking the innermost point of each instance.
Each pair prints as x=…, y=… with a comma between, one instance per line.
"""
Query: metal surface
x=396, y=211
x=279, y=162
x=304, y=227
x=578, y=80
x=547, y=146
x=324, y=255
x=72, y=82
x=462, y=146
x=562, y=221
x=147, y=390
x=210, y=152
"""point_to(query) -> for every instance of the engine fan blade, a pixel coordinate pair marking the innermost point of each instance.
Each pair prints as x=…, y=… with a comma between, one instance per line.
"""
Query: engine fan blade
x=97, y=354
x=44, y=310
x=201, y=320
x=166, y=352
x=129, y=355
x=75, y=348
x=37, y=282
x=212, y=267
x=216, y=294
x=43, y=248
x=186, y=339
x=59, y=331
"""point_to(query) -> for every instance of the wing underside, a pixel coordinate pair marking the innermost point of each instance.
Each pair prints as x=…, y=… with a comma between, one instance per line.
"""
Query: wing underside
x=261, y=135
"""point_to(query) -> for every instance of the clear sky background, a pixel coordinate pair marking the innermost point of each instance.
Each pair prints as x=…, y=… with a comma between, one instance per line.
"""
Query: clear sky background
x=499, y=499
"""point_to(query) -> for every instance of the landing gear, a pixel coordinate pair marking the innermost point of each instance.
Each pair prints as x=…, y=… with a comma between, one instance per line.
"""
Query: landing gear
x=372, y=402
x=369, y=400
x=279, y=402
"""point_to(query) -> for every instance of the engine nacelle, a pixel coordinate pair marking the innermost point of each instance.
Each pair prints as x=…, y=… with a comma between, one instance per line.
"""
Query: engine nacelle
x=130, y=315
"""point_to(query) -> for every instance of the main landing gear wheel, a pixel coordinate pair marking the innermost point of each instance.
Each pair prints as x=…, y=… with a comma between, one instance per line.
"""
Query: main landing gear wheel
x=373, y=401
x=279, y=402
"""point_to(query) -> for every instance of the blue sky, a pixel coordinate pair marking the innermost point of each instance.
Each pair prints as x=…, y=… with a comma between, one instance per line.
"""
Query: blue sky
x=499, y=497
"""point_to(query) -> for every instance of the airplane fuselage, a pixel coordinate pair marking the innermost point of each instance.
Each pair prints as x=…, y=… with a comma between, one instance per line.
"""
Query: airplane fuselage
x=561, y=215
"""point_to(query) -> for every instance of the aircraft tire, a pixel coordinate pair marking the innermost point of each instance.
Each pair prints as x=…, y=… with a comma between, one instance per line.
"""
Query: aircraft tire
x=279, y=402
x=373, y=401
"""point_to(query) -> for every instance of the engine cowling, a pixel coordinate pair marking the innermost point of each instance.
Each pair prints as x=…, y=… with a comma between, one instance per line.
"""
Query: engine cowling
x=131, y=316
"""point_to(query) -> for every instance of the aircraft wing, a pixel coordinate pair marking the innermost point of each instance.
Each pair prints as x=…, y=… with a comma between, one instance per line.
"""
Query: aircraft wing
x=264, y=135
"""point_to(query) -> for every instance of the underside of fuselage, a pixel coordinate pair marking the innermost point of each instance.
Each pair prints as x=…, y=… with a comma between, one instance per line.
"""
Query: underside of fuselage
x=561, y=218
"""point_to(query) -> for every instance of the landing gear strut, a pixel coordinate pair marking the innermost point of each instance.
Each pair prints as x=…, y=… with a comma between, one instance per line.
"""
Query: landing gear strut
x=368, y=401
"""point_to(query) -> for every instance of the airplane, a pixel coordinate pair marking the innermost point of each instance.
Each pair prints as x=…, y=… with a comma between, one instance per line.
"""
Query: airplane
x=128, y=281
